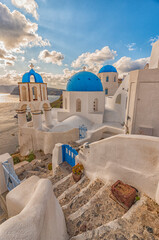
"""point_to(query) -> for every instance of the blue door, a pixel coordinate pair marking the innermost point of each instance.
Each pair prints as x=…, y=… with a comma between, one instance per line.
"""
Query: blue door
x=69, y=154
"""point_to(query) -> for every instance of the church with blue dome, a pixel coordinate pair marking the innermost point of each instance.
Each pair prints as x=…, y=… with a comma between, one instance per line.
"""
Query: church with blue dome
x=84, y=96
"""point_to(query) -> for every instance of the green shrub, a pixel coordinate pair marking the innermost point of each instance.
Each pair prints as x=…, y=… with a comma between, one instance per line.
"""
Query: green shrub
x=30, y=157
x=16, y=160
x=50, y=166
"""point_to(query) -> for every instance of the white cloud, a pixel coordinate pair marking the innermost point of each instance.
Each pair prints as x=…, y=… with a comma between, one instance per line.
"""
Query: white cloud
x=29, y=5
x=17, y=32
x=51, y=57
x=153, y=40
x=131, y=46
x=33, y=61
x=126, y=64
x=11, y=77
x=94, y=59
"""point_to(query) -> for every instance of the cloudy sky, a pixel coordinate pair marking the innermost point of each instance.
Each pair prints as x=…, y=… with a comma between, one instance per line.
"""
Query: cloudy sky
x=61, y=36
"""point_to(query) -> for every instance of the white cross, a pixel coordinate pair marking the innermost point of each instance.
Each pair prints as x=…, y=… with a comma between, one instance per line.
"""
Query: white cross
x=31, y=66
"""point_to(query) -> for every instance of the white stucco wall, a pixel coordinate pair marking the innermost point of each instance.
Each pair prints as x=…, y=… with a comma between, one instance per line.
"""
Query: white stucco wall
x=41, y=216
x=31, y=139
x=133, y=159
x=87, y=111
x=143, y=102
x=115, y=112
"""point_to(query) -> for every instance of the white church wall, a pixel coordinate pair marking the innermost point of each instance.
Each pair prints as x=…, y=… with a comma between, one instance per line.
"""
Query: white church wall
x=87, y=104
x=40, y=216
x=133, y=159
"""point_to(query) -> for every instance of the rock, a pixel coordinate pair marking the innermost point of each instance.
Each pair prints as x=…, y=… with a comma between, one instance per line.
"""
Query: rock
x=83, y=228
x=149, y=229
x=78, y=224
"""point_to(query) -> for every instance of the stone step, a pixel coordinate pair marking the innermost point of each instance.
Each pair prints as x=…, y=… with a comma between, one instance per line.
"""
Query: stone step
x=63, y=170
x=70, y=193
x=140, y=222
x=102, y=210
x=82, y=198
x=61, y=186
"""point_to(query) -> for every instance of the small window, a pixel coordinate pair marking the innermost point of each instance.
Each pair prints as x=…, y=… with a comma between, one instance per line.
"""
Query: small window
x=107, y=79
x=115, y=79
x=106, y=91
x=95, y=105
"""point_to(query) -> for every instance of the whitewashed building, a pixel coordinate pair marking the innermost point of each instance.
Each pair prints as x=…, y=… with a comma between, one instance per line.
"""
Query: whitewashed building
x=84, y=96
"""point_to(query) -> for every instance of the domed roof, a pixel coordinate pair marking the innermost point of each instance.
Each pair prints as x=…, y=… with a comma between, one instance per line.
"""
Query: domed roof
x=37, y=77
x=107, y=68
x=84, y=82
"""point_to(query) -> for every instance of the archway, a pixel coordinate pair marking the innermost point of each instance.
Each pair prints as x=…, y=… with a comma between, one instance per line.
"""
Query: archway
x=44, y=94
x=118, y=99
x=78, y=105
x=24, y=94
x=34, y=93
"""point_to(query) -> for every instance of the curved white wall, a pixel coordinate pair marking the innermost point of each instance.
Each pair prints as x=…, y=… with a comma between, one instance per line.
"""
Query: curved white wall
x=131, y=158
x=41, y=219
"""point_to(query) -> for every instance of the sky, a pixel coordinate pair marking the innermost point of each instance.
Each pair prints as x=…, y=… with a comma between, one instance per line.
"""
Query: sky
x=60, y=37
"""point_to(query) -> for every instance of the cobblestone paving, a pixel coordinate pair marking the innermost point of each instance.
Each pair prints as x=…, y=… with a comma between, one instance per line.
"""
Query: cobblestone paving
x=68, y=197
x=82, y=200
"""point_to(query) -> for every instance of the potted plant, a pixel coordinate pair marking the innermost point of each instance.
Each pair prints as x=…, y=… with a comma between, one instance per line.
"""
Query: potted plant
x=77, y=171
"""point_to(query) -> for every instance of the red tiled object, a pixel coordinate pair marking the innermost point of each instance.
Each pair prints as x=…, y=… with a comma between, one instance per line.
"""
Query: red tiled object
x=124, y=193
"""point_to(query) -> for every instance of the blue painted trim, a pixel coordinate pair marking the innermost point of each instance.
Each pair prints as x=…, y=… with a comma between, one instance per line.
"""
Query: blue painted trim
x=69, y=154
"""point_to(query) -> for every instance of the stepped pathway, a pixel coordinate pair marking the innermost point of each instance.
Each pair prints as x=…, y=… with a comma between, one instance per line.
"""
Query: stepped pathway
x=83, y=197
x=99, y=211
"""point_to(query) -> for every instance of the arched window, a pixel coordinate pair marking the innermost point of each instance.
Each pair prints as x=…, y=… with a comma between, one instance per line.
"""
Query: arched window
x=118, y=99
x=24, y=94
x=115, y=79
x=65, y=103
x=107, y=79
x=35, y=95
x=32, y=79
x=78, y=105
x=44, y=94
x=95, y=105
x=106, y=91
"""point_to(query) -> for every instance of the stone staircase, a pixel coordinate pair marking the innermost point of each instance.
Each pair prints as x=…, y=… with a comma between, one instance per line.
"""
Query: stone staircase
x=91, y=213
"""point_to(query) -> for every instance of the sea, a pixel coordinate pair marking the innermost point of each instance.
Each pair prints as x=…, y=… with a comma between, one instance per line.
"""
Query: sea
x=9, y=124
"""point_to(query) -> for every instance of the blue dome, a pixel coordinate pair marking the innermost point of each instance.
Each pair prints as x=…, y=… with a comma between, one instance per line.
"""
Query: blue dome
x=37, y=77
x=84, y=82
x=107, y=68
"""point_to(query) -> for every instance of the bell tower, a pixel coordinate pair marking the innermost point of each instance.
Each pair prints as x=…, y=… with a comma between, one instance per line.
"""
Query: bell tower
x=33, y=95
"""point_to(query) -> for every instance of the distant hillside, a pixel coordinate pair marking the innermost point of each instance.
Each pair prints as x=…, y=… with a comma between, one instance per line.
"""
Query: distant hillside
x=6, y=88
x=57, y=103
x=51, y=91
